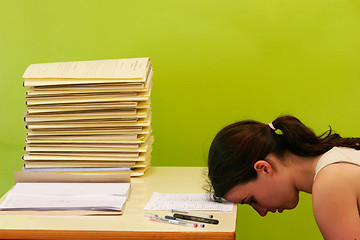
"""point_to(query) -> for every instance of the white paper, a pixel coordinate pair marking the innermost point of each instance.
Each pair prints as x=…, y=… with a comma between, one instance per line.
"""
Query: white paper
x=63, y=202
x=66, y=196
x=85, y=169
x=186, y=201
x=71, y=188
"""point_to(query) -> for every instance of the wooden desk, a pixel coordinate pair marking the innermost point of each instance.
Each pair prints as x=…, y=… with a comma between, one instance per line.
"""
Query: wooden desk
x=132, y=224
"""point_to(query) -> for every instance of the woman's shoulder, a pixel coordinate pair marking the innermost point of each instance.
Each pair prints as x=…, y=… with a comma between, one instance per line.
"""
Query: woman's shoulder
x=338, y=155
x=336, y=199
x=337, y=174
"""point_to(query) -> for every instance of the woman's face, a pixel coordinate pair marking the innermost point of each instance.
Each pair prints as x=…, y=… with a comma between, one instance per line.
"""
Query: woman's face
x=271, y=191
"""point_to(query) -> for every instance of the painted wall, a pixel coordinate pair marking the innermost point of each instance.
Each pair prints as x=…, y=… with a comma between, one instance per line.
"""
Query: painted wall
x=215, y=62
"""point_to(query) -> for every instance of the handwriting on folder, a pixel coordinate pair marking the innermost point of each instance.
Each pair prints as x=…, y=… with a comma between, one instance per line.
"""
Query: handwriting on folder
x=186, y=201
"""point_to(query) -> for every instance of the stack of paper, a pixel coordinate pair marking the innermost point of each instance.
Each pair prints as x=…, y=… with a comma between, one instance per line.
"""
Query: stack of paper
x=89, y=116
x=89, y=198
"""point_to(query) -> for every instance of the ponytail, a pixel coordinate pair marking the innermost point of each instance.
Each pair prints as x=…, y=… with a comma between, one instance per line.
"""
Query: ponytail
x=302, y=141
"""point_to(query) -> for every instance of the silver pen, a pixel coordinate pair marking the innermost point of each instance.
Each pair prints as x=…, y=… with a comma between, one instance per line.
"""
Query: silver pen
x=163, y=220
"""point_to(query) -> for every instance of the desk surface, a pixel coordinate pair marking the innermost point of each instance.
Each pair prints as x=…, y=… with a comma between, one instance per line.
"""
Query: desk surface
x=132, y=224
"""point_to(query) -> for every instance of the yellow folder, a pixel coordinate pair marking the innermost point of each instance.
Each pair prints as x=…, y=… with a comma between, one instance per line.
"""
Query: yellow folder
x=97, y=71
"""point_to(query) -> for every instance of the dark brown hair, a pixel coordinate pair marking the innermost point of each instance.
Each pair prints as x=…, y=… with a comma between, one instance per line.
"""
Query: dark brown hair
x=237, y=147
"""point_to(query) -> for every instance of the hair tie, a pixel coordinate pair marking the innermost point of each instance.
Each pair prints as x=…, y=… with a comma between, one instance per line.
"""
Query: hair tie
x=272, y=126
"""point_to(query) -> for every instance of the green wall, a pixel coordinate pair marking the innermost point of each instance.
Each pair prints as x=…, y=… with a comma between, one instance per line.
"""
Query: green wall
x=215, y=62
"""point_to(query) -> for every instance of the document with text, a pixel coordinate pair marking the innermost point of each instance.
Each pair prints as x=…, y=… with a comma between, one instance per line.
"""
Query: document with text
x=186, y=201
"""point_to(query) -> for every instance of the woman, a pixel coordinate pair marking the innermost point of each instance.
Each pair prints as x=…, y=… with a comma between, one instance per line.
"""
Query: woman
x=266, y=165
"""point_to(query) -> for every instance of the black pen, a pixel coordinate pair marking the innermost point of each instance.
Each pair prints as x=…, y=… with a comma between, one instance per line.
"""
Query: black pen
x=196, y=214
x=196, y=219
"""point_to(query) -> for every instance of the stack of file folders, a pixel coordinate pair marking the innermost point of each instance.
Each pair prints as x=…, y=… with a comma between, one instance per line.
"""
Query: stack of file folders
x=89, y=116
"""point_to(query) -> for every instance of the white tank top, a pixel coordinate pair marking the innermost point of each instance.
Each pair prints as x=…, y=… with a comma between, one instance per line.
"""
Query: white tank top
x=337, y=155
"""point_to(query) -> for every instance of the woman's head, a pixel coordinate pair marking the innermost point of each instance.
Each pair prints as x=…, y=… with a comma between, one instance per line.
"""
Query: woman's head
x=234, y=151
x=273, y=190
x=236, y=148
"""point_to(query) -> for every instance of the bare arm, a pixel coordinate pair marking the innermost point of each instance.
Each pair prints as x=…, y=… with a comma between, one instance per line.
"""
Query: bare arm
x=335, y=202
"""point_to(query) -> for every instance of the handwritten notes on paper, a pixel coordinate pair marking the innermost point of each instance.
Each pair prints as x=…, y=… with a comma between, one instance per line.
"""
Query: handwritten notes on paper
x=186, y=201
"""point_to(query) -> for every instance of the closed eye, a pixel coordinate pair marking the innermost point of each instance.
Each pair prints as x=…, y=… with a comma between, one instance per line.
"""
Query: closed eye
x=252, y=200
x=245, y=201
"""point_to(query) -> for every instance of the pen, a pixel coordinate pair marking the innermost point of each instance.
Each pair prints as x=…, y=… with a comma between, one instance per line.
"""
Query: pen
x=193, y=213
x=196, y=219
x=173, y=218
x=158, y=219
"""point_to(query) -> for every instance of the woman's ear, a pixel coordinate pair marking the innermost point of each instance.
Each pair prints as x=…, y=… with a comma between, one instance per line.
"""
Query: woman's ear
x=262, y=166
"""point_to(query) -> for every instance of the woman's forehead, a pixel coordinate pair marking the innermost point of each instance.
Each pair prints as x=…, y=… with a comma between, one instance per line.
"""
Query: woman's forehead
x=238, y=193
